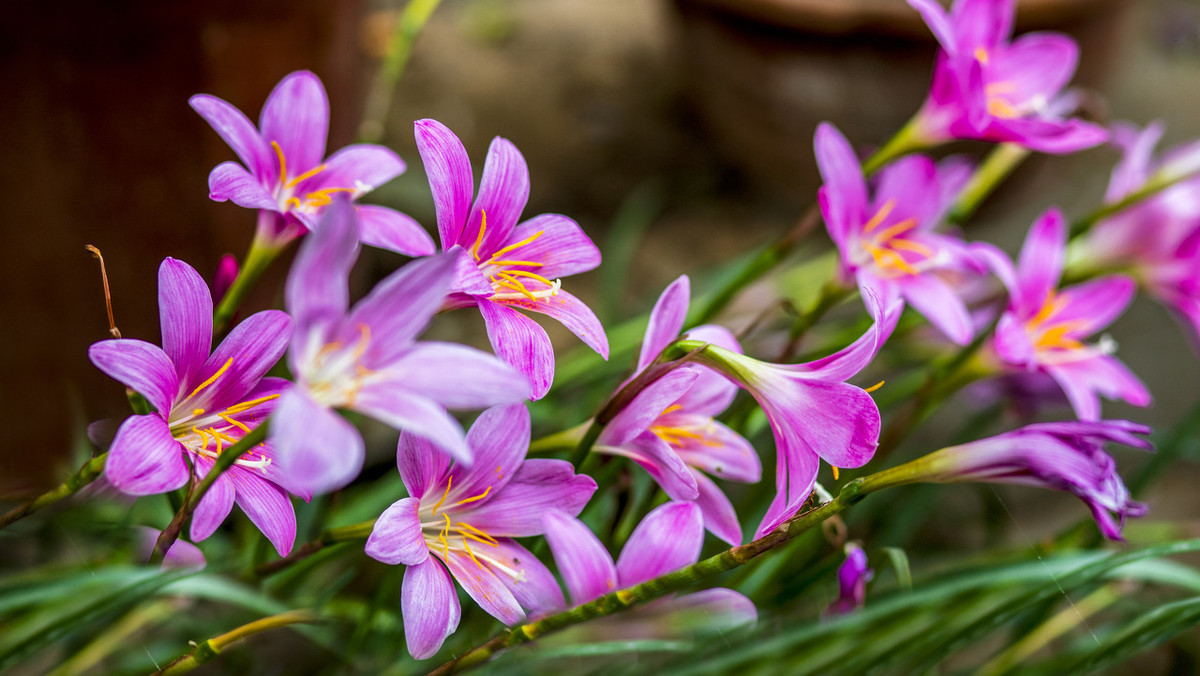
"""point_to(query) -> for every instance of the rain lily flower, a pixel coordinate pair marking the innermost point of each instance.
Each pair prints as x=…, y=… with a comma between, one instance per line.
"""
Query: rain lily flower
x=989, y=87
x=1064, y=456
x=669, y=427
x=1043, y=328
x=284, y=172
x=203, y=404
x=813, y=413
x=1158, y=239
x=467, y=517
x=506, y=266
x=667, y=539
x=853, y=576
x=887, y=244
x=366, y=359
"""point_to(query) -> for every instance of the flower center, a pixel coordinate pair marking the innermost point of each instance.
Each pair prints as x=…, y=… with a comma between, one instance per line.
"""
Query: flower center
x=891, y=252
x=312, y=201
x=339, y=372
x=444, y=534
x=209, y=433
x=1053, y=340
x=505, y=270
x=681, y=433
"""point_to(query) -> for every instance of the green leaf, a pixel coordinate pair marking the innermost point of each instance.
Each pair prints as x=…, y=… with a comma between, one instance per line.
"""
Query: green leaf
x=899, y=561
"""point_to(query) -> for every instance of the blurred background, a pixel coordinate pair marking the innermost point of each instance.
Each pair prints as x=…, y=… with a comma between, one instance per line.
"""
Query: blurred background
x=683, y=126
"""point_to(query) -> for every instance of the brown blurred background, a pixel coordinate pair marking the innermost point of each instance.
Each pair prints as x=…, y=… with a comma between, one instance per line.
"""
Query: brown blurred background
x=708, y=110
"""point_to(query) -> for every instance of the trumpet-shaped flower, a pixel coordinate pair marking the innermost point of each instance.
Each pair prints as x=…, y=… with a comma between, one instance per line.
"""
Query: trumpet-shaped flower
x=1044, y=328
x=668, y=538
x=1158, y=239
x=887, y=244
x=853, y=576
x=669, y=427
x=467, y=517
x=1064, y=456
x=203, y=404
x=813, y=413
x=366, y=359
x=506, y=266
x=285, y=174
x=986, y=86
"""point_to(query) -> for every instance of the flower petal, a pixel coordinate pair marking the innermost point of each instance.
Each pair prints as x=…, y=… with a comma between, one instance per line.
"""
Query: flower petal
x=721, y=452
x=250, y=350
x=457, y=376
x=1082, y=381
x=503, y=191
x=840, y=422
x=397, y=537
x=586, y=566
x=239, y=132
x=910, y=185
x=393, y=404
x=539, y=485
x=1048, y=135
x=400, y=307
x=429, y=607
x=522, y=344
x=571, y=313
x=389, y=229
x=450, y=178
x=648, y=405
x=317, y=450
x=484, y=586
x=1093, y=305
x=267, y=506
x=296, y=116
x=660, y=461
x=144, y=458
x=185, y=311
x=1040, y=264
x=981, y=23
x=530, y=581
x=796, y=467
x=318, y=288
x=843, y=196
x=1036, y=66
x=716, y=609
x=499, y=440
x=1137, y=146
x=229, y=181
x=361, y=167
x=562, y=248
x=138, y=365
x=668, y=539
x=934, y=298
x=936, y=18
x=719, y=517
x=712, y=393
x=216, y=504
x=666, y=320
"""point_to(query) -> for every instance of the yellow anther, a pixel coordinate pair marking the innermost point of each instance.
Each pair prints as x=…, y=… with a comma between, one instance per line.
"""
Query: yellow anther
x=439, y=502
x=364, y=338
x=481, y=496
x=247, y=405
x=478, y=535
x=874, y=387
x=479, y=238
x=442, y=537
x=518, y=245
x=235, y=423
x=671, y=409
x=835, y=472
x=909, y=245
x=282, y=162
x=879, y=216
x=197, y=411
x=532, y=264
x=998, y=107
x=308, y=174
x=897, y=229
x=982, y=55
x=886, y=258
x=213, y=379
x=471, y=553
x=203, y=436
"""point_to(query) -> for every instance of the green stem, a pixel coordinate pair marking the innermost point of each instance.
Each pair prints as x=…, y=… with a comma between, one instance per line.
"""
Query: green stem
x=210, y=649
x=86, y=475
x=907, y=140
x=113, y=638
x=1155, y=185
x=358, y=531
x=412, y=20
x=257, y=260
x=560, y=441
x=223, y=462
x=614, y=602
x=996, y=167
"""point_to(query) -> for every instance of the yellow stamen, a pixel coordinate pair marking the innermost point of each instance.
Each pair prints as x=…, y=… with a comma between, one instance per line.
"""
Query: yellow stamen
x=909, y=245
x=442, y=537
x=886, y=258
x=482, y=229
x=879, y=216
x=481, y=496
x=233, y=422
x=364, y=339
x=478, y=534
x=874, y=387
x=671, y=409
x=203, y=436
x=291, y=203
x=247, y=405
x=998, y=107
x=982, y=55
x=282, y=162
x=308, y=174
x=471, y=553
x=897, y=229
x=439, y=502
x=1051, y=305
x=213, y=379
x=532, y=264
x=518, y=245
x=835, y=472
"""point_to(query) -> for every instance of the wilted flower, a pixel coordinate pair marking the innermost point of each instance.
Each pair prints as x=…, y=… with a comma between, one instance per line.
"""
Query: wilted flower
x=204, y=403
x=467, y=517
x=669, y=428
x=1043, y=328
x=1064, y=456
x=287, y=176
x=505, y=265
x=667, y=539
x=986, y=87
x=887, y=244
x=366, y=359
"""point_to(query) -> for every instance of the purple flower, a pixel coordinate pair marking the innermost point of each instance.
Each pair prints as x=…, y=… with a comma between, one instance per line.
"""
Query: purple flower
x=853, y=576
x=667, y=539
x=506, y=266
x=285, y=174
x=366, y=359
x=1158, y=239
x=204, y=403
x=181, y=554
x=669, y=428
x=1043, y=328
x=986, y=87
x=813, y=413
x=467, y=517
x=1064, y=456
x=887, y=244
